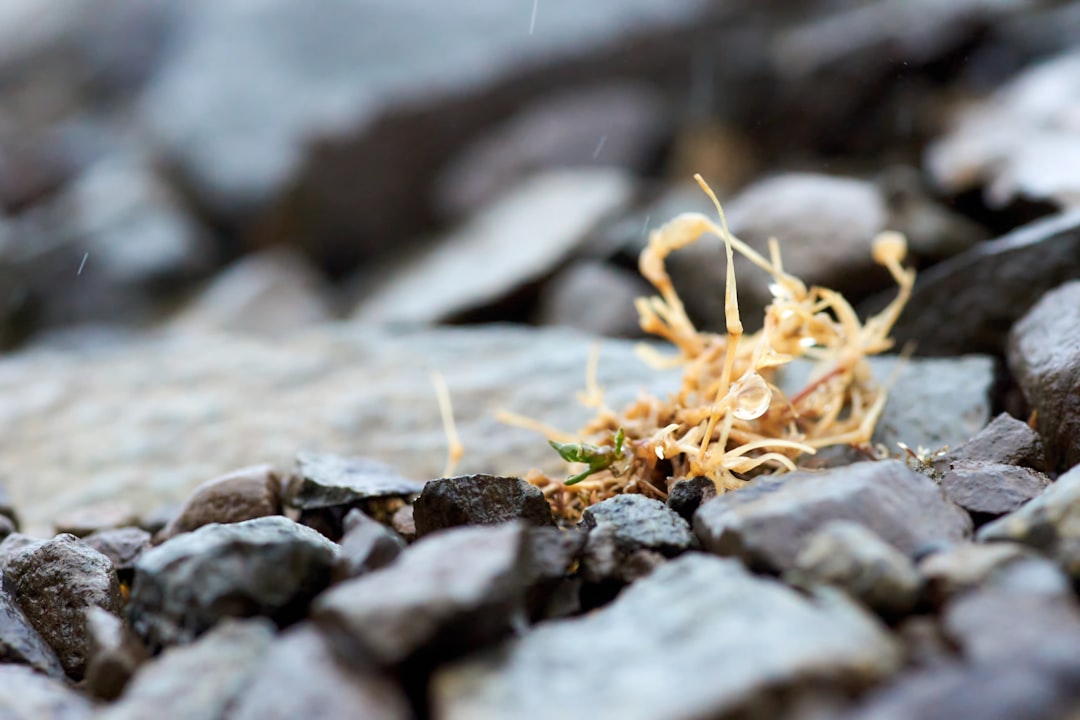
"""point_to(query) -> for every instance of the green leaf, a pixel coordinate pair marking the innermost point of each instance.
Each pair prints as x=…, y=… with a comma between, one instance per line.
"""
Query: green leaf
x=597, y=458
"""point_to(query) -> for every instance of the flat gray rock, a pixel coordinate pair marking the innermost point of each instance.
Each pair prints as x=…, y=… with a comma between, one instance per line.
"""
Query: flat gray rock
x=323, y=480
x=478, y=500
x=654, y=652
x=767, y=522
x=197, y=681
x=990, y=490
x=269, y=566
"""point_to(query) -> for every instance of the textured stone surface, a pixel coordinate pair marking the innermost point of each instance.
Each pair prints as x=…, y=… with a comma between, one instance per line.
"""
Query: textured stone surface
x=847, y=555
x=115, y=654
x=994, y=623
x=200, y=680
x=367, y=545
x=54, y=584
x=1005, y=440
x=449, y=592
x=625, y=526
x=478, y=500
x=991, y=489
x=243, y=494
x=767, y=522
x=268, y=566
x=686, y=496
x=967, y=566
x=29, y=695
x=713, y=610
x=1044, y=357
x=122, y=546
x=301, y=677
x=21, y=643
x=323, y=480
x=485, y=261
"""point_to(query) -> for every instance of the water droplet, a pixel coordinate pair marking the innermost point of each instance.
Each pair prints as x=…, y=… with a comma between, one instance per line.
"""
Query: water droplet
x=752, y=396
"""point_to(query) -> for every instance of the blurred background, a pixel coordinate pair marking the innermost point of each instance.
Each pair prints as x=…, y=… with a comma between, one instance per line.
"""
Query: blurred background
x=260, y=166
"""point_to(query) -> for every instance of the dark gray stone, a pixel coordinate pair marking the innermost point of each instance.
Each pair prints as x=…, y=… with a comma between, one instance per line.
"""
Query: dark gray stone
x=686, y=496
x=448, y=593
x=14, y=544
x=967, y=304
x=478, y=500
x=967, y=566
x=552, y=554
x=28, y=695
x=197, y=681
x=367, y=545
x=690, y=616
x=996, y=622
x=21, y=643
x=324, y=481
x=767, y=522
x=54, y=584
x=123, y=546
x=1005, y=440
x=624, y=527
x=301, y=677
x=991, y=489
x=847, y=555
x=115, y=655
x=1050, y=523
x=269, y=566
x=243, y=494
x=1044, y=357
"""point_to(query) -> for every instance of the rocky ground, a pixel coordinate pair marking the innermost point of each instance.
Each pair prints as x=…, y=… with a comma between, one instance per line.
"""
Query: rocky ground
x=236, y=239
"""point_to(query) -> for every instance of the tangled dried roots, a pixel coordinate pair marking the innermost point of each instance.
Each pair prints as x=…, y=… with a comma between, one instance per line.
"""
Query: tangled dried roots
x=729, y=420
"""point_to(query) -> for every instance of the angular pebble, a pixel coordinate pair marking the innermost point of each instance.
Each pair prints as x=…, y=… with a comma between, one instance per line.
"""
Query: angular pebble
x=115, y=654
x=269, y=566
x=243, y=494
x=1044, y=354
x=367, y=545
x=54, y=584
x=28, y=695
x=122, y=545
x=849, y=556
x=448, y=593
x=968, y=566
x=301, y=678
x=197, y=681
x=995, y=622
x=621, y=528
x=323, y=480
x=552, y=553
x=1050, y=523
x=668, y=633
x=478, y=500
x=767, y=522
x=1005, y=440
x=21, y=643
x=404, y=522
x=688, y=495
x=989, y=490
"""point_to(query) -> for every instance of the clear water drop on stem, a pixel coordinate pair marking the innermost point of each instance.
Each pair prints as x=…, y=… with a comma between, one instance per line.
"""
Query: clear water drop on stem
x=751, y=396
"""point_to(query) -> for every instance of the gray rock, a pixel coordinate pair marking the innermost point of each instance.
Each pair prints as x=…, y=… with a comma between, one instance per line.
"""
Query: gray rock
x=552, y=554
x=201, y=680
x=21, y=643
x=686, y=496
x=593, y=297
x=301, y=677
x=478, y=500
x=269, y=566
x=13, y=544
x=270, y=293
x=404, y=523
x=122, y=546
x=933, y=231
x=847, y=555
x=108, y=515
x=55, y=583
x=712, y=611
x=243, y=494
x=448, y=593
x=484, y=260
x=1005, y=440
x=991, y=489
x=610, y=125
x=72, y=435
x=1048, y=523
x=282, y=130
x=115, y=655
x=767, y=522
x=968, y=566
x=967, y=303
x=1044, y=352
x=323, y=481
x=366, y=546
x=993, y=623
x=28, y=695
x=1014, y=144
x=621, y=527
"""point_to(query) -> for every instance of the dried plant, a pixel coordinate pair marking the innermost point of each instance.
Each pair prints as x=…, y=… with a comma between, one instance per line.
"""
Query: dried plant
x=729, y=420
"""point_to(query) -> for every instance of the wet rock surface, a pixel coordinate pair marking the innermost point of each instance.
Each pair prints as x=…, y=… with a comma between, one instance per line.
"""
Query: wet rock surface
x=268, y=566
x=54, y=584
x=710, y=605
x=478, y=500
x=769, y=521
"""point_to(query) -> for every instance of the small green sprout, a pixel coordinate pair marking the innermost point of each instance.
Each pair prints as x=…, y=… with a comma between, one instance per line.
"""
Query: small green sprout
x=596, y=457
